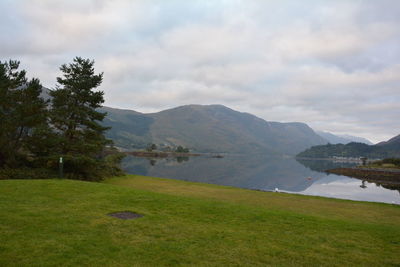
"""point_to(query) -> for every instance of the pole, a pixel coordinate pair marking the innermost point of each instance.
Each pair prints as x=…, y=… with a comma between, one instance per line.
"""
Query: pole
x=61, y=168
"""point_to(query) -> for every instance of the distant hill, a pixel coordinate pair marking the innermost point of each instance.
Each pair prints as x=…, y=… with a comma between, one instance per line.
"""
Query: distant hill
x=208, y=128
x=388, y=149
x=391, y=143
x=342, y=139
x=130, y=129
x=355, y=139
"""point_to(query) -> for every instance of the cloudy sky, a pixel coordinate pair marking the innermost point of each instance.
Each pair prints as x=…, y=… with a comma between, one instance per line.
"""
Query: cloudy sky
x=334, y=65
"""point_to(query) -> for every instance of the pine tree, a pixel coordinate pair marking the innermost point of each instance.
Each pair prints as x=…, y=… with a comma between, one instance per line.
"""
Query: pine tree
x=22, y=112
x=33, y=137
x=80, y=136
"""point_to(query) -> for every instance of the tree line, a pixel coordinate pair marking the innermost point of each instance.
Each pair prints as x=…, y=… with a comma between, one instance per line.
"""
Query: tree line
x=179, y=149
x=35, y=133
x=351, y=150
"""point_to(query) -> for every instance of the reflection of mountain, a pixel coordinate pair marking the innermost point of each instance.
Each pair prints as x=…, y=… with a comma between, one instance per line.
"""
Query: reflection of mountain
x=323, y=165
x=390, y=186
x=337, y=186
x=255, y=172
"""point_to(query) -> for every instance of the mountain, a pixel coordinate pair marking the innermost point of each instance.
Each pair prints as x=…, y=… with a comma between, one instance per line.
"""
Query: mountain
x=208, y=128
x=356, y=139
x=394, y=142
x=342, y=139
x=388, y=149
x=129, y=129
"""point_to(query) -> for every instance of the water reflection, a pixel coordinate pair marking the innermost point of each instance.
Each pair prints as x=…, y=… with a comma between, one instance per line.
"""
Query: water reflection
x=363, y=184
x=323, y=165
x=389, y=186
x=251, y=171
x=263, y=172
x=153, y=161
x=349, y=188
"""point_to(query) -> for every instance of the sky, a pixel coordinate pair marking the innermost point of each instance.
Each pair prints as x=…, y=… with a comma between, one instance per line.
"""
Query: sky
x=334, y=65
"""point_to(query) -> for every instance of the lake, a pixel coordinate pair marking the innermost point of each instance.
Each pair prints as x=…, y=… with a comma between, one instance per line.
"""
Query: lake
x=265, y=172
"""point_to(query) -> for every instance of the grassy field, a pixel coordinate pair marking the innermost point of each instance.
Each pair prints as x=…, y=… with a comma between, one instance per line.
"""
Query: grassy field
x=64, y=222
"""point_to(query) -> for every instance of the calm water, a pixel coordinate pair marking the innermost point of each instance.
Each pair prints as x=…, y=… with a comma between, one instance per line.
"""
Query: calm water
x=265, y=172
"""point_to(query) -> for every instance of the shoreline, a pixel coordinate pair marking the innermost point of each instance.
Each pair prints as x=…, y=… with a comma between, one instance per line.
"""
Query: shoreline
x=156, y=154
x=339, y=160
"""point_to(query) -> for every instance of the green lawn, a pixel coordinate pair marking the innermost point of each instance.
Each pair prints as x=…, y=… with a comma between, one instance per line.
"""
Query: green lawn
x=64, y=222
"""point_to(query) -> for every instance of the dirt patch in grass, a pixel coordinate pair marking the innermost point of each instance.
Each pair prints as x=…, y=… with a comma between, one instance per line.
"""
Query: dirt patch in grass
x=125, y=215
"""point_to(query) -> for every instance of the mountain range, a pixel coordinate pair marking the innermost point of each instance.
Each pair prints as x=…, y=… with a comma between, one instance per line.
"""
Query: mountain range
x=211, y=128
x=208, y=128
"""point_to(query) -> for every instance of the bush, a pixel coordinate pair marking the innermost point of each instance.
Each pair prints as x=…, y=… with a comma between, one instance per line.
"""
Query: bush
x=393, y=161
x=26, y=173
x=111, y=164
x=181, y=149
x=388, y=163
x=75, y=167
x=86, y=168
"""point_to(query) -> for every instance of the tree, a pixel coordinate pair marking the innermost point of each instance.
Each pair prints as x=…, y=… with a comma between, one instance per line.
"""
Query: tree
x=80, y=137
x=22, y=112
x=181, y=149
x=34, y=136
x=73, y=114
x=151, y=147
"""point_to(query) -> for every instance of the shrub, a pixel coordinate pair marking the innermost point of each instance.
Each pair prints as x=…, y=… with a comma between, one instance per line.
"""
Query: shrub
x=26, y=173
x=393, y=161
x=111, y=164
x=181, y=149
x=389, y=162
x=82, y=167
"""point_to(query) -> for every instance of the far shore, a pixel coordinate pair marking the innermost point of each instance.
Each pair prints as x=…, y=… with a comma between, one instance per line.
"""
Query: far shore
x=354, y=160
x=160, y=154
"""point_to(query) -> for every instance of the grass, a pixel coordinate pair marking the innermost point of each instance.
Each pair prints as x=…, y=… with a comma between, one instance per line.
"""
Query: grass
x=64, y=222
x=388, y=163
x=381, y=166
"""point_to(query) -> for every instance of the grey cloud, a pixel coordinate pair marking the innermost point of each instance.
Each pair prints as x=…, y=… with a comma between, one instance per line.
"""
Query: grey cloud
x=334, y=65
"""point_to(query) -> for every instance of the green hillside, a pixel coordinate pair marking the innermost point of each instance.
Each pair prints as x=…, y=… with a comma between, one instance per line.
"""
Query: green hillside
x=213, y=128
x=388, y=149
x=130, y=129
x=65, y=223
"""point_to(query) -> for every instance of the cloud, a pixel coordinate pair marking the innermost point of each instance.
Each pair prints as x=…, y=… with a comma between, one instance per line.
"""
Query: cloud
x=334, y=65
